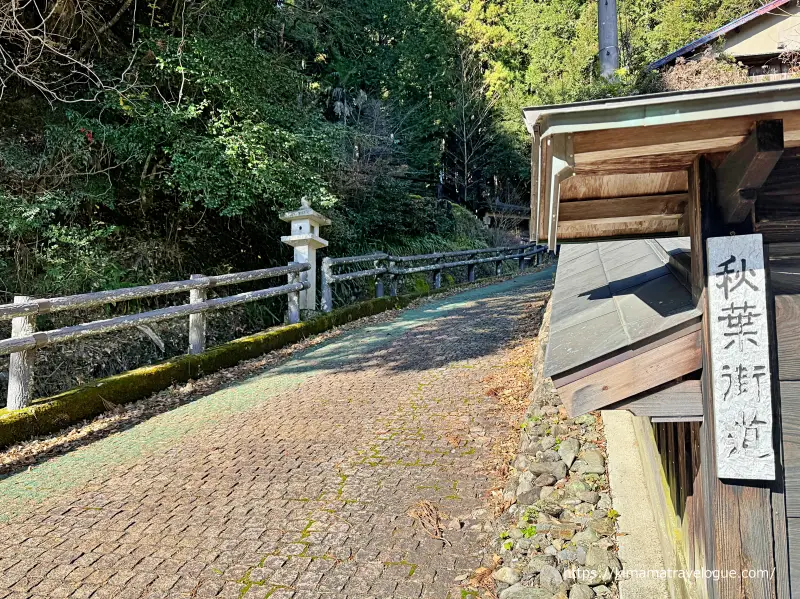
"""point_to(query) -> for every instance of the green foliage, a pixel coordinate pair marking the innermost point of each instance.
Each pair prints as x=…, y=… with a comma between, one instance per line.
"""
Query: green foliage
x=400, y=119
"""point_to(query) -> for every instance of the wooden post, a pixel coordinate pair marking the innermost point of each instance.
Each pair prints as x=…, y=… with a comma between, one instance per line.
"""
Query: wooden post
x=378, y=280
x=522, y=262
x=197, y=322
x=327, y=292
x=437, y=278
x=471, y=273
x=293, y=310
x=20, y=365
x=392, y=279
x=498, y=266
x=737, y=515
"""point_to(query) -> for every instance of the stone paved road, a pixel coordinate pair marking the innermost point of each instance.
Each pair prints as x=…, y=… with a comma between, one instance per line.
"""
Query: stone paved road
x=295, y=483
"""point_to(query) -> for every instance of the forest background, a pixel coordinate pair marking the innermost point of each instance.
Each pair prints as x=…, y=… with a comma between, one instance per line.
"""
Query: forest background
x=144, y=140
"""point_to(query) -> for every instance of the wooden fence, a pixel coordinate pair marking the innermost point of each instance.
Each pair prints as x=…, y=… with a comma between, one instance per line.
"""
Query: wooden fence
x=25, y=339
x=386, y=266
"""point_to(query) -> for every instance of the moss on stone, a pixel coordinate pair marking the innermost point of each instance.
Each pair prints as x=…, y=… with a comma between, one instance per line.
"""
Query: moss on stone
x=50, y=414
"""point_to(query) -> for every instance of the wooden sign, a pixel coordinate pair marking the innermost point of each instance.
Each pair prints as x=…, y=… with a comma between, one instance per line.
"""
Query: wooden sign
x=737, y=316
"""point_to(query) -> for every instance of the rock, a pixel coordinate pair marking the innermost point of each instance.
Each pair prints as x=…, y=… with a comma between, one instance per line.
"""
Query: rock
x=585, y=419
x=545, y=480
x=546, y=492
x=581, y=591
x=529, y=445
x=539, y=561
x=529, y=497
x=561, y=430
x=567, y=555
x=596, y=556
x=557, y=469
x=580, y=554
x=584, y=508
x=589, y=470
x=522, y=462
x=518, y=591
x=551, y=509
x=515, y=533
x=604, y=563
x=564, y=532
x=507, y=575
x=568, y=450
x=550, y=551
x=548, y=442
x=576, y=486
x=550, y=410
x=593, y=458
x=585, y=538
x=549, y=456
x=604, y=527
x=550, y=579
x=588, y=496
x=602, y=591
x=525, y=483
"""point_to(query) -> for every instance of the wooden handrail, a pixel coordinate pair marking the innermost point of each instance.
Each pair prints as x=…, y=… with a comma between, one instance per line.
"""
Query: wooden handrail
x=329, y=278
x=99, y=298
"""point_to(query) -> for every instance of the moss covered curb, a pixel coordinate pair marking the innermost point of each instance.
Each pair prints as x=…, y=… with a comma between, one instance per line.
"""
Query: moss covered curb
x=51, y=414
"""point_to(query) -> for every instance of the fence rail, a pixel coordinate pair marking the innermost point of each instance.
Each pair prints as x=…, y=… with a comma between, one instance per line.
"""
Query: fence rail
x=25, y=340
x=390, y=271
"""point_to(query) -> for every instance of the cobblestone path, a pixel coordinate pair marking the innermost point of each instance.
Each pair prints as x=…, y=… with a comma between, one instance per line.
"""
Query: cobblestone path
x=295, y=483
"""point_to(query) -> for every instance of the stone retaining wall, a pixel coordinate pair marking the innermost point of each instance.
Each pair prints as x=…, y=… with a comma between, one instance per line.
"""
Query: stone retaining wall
x=558, y=536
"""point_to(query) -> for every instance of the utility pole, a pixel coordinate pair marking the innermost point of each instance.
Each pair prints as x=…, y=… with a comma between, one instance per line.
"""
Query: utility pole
x=608, y=36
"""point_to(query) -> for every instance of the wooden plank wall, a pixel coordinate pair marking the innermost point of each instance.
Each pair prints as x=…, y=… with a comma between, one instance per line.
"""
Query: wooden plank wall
x=784, y=266
x=678, y=445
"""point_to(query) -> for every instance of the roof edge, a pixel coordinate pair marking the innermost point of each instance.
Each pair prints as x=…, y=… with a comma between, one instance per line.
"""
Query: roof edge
x=710, y=37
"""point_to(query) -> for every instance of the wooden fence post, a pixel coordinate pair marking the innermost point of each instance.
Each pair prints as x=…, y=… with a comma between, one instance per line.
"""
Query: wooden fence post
x=20, y=365
x=293, y=312
x=378, y=280
x=392, y=280
x=437, y=277
x=327, y=292
x=197, y=322
x=498, y=266
x=522, y=262
x=471, y=273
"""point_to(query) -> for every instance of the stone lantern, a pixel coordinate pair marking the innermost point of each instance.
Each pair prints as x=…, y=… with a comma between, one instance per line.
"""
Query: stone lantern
x=305, y=240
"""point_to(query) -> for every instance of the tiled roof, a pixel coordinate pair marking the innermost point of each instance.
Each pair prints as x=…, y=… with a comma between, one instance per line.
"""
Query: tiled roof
x=611, y=295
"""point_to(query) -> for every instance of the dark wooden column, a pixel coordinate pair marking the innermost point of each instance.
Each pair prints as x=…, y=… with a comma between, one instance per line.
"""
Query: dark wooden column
x=737, y=517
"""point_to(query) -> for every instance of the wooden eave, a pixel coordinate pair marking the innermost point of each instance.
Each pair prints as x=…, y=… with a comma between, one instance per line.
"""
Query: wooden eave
x=623, y=322
x=617, y=168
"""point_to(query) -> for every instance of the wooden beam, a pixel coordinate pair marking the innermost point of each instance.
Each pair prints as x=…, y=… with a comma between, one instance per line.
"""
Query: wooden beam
x=611, y=228
x=680, y=402
x=719, y=135
x=533, y=223
x=561, y=167
x=638, y=374
x=746, y=169
x=601, y=187
x=738, y=533
x=545, y=154
x=670, y=204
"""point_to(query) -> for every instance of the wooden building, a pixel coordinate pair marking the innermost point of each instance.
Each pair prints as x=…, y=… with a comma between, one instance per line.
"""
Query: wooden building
x=638, y=191
x=764, y=40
